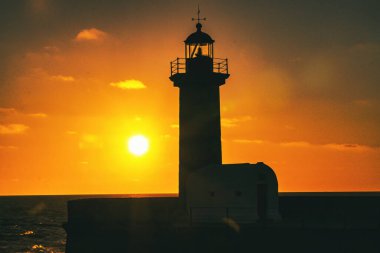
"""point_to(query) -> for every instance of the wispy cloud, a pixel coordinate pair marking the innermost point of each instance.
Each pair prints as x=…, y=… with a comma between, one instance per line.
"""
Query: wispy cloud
x=289, y=127
x=129, y=85
x=62, y=78
x=8, y=147
x=37, y=115
x=13, y=129
x=362, y=102
x=233, y=122
x=13, y=111
x=39, y=6
x=349, y=147
x=333, y=146
x=51, y=49
x=91, y=34
x=369, y=47
x=5, y=110
x=248, y=141
x=90, y=141
x=296, y=144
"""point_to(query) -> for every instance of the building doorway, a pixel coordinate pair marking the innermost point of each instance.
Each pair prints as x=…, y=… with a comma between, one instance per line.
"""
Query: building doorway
x=262, y=201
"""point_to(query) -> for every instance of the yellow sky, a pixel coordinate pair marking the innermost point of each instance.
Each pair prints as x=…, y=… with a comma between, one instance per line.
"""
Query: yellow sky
x=73, y=93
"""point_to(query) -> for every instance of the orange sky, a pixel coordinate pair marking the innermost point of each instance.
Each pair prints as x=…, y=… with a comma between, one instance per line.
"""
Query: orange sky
x=303, y=95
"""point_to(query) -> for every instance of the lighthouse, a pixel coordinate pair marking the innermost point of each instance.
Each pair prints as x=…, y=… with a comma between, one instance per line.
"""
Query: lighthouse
x=198, y=77
x=209, y=190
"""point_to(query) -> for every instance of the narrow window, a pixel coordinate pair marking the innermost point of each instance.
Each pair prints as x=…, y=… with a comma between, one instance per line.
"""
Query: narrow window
x=238, y=193
x=212, y=194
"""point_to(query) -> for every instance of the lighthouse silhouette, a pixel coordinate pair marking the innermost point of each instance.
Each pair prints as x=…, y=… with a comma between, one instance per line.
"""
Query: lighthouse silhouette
x=208, y=189
x=198, y=76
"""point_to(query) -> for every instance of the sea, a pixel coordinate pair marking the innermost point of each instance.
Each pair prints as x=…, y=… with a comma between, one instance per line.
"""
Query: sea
x=33, y=223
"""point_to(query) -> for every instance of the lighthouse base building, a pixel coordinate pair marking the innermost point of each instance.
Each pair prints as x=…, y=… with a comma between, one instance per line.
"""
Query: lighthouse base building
x=242, y=193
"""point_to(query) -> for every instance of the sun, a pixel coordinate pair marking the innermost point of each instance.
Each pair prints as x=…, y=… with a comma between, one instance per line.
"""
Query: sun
x=138, y=145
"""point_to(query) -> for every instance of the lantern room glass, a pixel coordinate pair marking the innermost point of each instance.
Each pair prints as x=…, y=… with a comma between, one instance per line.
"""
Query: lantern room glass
x=193, y=50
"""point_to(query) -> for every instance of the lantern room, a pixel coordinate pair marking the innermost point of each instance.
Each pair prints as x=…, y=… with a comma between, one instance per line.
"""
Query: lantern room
x=199, y=57
x=199, y=44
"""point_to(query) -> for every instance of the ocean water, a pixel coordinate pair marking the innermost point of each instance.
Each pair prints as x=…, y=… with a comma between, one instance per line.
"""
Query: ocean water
x=33, y=223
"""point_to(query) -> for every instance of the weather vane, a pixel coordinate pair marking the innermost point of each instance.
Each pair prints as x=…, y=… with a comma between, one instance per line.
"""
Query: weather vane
x=198, y=19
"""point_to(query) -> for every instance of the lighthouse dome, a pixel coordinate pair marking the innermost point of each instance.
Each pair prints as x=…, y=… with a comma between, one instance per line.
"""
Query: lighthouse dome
x=199, y=37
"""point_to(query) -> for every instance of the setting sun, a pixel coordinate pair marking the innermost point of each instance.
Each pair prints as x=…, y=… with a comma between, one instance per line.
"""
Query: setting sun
x=138, y=145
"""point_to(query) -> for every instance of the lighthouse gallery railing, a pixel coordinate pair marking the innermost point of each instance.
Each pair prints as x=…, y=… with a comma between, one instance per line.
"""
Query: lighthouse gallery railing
x=178, y=66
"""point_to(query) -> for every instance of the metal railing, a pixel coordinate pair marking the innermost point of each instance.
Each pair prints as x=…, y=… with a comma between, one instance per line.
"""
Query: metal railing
x=178, y=66
x=220, y=65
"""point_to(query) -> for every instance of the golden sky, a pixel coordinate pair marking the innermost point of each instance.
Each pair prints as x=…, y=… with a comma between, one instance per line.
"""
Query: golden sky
x=78, y=78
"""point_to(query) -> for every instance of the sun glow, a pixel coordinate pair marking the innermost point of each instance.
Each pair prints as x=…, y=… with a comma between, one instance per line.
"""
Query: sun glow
x=138, y=145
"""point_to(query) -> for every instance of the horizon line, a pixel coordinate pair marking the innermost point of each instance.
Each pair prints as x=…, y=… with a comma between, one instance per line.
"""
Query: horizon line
x=284, y=193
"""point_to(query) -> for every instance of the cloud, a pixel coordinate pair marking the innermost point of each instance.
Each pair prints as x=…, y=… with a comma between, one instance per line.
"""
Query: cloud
x=5, y=110
x=8, y=147
x=366, y=47
x=248, y=141
x=62, y=78
x=347, y=147
x=129, y=85
x=37, y=115
x=174, y=126
x=296, y=144
x=39, y=6
x=51, y=49
x=70, y=132
x=334, y=146
x=362, y=102
x=233, y=122
x=13, y=129
x=289, y=127
x=166, y=136
x=90, y=141
x=91, y=34
x=13, y=111
x=350, y=147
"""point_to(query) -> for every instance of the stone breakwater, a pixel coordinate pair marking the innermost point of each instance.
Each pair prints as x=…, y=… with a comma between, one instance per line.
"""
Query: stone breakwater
x=309, y=224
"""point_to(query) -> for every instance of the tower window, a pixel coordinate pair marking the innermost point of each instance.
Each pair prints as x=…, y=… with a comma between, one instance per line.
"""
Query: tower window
x=212, y=194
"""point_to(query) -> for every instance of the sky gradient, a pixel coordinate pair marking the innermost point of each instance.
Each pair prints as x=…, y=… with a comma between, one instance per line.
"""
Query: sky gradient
x=77, y=78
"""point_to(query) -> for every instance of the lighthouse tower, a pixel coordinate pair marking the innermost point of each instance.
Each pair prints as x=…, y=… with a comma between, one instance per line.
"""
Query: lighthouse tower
x=198, y=77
